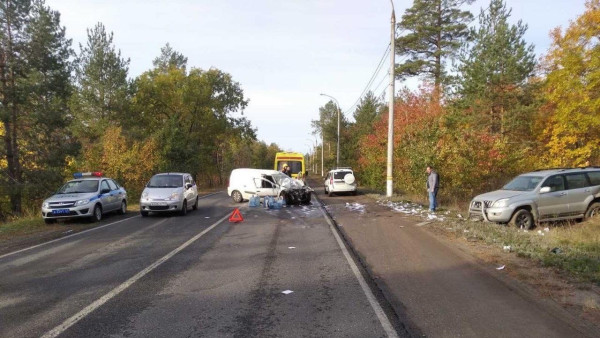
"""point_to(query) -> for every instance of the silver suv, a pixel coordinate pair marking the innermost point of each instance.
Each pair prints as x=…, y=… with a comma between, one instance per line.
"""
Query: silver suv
x=543, y=195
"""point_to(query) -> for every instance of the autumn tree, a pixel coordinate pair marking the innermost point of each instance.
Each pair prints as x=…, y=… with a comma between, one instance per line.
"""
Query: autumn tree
x=570, y=121
x=34, y=88
x=436, y=30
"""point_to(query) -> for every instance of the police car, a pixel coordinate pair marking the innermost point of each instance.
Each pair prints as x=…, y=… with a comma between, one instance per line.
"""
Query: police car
x=89, y=195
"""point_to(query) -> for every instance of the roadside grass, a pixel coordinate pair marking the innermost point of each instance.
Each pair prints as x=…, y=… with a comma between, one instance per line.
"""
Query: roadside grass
x=22, y=226
x=573, y=247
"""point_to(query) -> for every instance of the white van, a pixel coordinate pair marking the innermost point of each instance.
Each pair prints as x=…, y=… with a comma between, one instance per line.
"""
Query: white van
x=243, y=183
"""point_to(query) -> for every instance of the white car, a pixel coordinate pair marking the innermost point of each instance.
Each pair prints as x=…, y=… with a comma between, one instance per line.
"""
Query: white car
x=246, y=182
x=89, y=195
x=169, y=192
x=340, y=180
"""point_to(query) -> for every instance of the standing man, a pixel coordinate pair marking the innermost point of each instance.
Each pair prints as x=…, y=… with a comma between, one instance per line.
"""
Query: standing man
x=433, y=184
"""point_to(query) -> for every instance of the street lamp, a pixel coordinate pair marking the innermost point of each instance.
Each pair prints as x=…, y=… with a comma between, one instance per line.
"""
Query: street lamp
x=337, y=161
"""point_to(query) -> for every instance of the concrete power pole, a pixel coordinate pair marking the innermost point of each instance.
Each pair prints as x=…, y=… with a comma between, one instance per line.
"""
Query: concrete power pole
x=390, y=148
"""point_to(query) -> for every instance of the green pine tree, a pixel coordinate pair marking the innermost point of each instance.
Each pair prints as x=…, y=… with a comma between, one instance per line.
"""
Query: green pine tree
x=436, y=31
x=494, y=73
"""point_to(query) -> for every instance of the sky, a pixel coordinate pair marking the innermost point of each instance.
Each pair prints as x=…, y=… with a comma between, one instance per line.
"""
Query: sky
x=284, y=53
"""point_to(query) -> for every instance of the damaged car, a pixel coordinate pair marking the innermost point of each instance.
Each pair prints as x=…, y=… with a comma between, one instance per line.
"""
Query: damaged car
x=246, y=182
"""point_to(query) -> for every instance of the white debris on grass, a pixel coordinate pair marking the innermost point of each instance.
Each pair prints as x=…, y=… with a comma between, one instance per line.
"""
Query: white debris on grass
x=415, y=209
x=507, y=248
x=287, y=292
x=540, y=233
x=501, y=267
x=546, y=229
x=356, y=207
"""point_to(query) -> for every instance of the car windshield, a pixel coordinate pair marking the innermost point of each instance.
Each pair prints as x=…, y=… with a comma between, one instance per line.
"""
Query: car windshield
x=295, y=166
x=523, y=183
x=165, y=181
x=74, y=187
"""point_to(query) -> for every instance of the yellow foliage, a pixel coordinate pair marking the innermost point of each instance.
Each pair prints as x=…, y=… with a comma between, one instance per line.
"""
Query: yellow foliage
x=572, y=132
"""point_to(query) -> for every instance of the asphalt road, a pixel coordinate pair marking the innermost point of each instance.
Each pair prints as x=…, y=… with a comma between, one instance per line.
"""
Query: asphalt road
x=437, y=289
x=190, y=276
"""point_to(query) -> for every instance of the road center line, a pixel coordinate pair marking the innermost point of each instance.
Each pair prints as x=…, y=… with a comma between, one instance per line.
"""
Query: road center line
x=114, y=292
x=383, y=319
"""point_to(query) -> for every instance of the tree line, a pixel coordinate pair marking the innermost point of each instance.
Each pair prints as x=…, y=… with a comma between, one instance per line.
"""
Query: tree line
x=487, y=108
x=64, y=111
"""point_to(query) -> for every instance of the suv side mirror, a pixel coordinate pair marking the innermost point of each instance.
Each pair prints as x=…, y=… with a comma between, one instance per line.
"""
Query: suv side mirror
x=545, y=190
x=188, y=185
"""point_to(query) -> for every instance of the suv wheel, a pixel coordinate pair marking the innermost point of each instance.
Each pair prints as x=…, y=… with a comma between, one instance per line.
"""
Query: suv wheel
x=593, y=210
x=195, y=207
x=522, y=219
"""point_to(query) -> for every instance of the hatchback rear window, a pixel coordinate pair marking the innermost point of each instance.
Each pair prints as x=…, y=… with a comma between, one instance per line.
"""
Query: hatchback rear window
x=339, y=175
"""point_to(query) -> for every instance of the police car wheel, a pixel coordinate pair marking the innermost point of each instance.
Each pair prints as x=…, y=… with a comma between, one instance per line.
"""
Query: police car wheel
x=195, y=207
x=123, y=209
x=144, y=213
x=49, y=221
x=97, y=215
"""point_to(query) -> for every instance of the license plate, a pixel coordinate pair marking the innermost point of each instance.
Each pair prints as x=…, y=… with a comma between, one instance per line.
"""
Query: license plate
x=158, y=204
x=61, y=212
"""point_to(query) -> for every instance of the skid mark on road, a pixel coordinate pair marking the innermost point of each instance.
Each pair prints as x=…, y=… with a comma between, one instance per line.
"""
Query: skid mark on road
x=259, y=315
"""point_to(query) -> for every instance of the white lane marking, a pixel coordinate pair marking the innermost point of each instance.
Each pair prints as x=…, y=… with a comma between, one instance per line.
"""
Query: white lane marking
x=69, y=236
x=423, y=223
x=114, y=292
x=383, y=319
x=82, y=232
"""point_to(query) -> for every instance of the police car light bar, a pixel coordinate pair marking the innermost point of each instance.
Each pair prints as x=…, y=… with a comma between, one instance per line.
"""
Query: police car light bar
x=88, y=174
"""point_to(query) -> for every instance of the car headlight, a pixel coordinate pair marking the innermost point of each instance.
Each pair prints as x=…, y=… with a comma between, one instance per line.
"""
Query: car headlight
x=45, y=205
x=500, y=203
x=82, y=202
x=174, y=196
x=144, y=195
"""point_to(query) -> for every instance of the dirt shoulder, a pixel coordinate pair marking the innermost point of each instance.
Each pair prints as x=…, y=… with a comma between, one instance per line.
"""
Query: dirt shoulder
x=444, y=282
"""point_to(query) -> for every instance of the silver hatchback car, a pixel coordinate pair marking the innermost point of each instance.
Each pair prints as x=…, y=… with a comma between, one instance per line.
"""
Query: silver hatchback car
x=169, y=192
x=543, y=195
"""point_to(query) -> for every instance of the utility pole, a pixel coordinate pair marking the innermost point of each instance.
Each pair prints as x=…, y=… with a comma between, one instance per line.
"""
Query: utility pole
x=390, y=148
x=322, y=149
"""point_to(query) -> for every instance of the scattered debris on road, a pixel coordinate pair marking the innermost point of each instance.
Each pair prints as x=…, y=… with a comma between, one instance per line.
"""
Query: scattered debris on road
x=287, y=292
x=356, y=207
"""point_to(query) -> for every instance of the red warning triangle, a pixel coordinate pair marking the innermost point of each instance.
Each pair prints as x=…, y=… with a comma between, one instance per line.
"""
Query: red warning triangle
x=236, y=216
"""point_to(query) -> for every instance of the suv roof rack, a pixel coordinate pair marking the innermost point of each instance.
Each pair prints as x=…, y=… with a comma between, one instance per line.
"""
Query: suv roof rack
x=542, y=169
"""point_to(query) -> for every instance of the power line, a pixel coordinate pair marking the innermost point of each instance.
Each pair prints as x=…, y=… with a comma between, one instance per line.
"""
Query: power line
x=375, y=73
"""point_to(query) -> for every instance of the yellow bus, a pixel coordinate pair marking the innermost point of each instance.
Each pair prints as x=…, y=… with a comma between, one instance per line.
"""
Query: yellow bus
x=294, y=160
